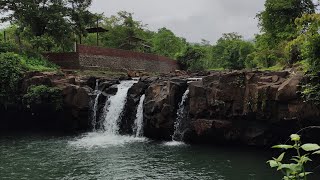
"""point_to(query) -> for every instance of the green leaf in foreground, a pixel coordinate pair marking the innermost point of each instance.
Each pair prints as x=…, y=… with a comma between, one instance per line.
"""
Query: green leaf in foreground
x=317, y=152
x=283, y=146
x=295, y=137
x=310, y=147
x=280, y=158
x=273, y=163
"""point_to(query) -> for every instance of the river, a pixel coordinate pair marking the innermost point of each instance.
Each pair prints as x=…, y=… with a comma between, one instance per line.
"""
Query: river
x=100, y=156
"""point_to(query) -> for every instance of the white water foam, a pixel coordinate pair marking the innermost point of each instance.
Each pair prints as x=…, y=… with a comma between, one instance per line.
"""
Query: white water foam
x=103, y=140
x=138, y=123
x=174, y=143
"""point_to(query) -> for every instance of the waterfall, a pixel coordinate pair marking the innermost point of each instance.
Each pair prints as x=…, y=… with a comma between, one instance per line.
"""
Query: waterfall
x=181, y=115
x=95, y=109
x=97, y=94
x=97, y=85
x=114, y=107
x=138, y=123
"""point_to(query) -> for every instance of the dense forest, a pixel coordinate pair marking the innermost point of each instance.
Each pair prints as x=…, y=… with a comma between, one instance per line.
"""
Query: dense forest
x=289, y=35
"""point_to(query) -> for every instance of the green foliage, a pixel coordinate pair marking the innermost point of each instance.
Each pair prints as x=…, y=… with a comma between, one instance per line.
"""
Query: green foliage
x=265, y=56
x=278, y=17
x=303, y=66
x=43, y=95
x=192, y=58
x=12, y=68
x=276, y=67
x=38, y=64
x=124, y=33
x=311, y=90
x=295, y=169
x=57, y=19
x=308, y=40
x=278, y=27
x=7, y=47
x=11, y=71
x=231, y=52
x=166, y=43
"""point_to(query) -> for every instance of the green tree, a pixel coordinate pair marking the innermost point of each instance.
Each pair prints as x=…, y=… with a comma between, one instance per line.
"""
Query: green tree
x=277, y=20
x=166, y=43
x=231, y=51
x=308, y=40
x=265, y=56
x=56, y=19
x=125, y=33
x=80, y=16
x=192, y=58
x=278, y=28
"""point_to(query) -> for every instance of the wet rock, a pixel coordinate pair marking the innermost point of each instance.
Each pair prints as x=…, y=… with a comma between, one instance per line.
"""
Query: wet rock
x=288, y=90
x=130, y=109
x=255, y=107
x=112, y=90
x=161, y=103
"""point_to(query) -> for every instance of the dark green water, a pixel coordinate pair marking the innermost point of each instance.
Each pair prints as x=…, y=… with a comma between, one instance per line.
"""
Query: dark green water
x=99, y=156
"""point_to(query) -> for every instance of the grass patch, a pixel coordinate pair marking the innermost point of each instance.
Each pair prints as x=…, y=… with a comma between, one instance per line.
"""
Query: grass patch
x=303, y=66
x=216, y=69
x=38, y=64
x=277, y=67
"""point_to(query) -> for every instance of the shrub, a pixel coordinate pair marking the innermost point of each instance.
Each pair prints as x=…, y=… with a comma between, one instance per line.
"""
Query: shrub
x=311, y=89
x=11, y=71
x=12, y=68
x=7, y=47
x=43, y=95
x=38, y=64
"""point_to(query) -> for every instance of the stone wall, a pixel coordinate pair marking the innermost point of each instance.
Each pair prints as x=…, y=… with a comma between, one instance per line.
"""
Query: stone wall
x=68, y=60
x=114, y=59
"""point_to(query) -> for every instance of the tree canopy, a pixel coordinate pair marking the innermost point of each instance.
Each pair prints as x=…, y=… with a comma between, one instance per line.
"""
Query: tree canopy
x=289, y=34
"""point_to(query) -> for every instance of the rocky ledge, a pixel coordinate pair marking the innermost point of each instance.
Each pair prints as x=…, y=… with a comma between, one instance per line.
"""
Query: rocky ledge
x=251, y=108
x=248, y=108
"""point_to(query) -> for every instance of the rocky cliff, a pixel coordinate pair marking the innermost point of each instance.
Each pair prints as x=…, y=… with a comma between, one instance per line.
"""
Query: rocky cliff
x=250, y=108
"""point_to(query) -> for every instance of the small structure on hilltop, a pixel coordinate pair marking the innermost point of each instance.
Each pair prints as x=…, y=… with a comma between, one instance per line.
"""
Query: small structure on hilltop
x=96, y=30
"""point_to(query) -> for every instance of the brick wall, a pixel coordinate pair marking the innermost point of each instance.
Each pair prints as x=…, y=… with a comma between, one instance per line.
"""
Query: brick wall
x=114, y=59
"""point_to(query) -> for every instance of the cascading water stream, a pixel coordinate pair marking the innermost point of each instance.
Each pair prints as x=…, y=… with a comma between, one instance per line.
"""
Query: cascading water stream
x=97, y=94
x=181, y=115
x=138, y=123
x=110, y=120
x=114, y=107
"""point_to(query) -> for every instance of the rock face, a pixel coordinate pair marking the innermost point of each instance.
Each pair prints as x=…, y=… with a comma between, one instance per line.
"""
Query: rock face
x=76, y=93
x=252, y=108
x=160, y=107
x=247, y=108
x=130, y=109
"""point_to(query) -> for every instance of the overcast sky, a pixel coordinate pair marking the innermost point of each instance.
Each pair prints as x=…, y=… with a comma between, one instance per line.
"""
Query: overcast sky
x=192, y=19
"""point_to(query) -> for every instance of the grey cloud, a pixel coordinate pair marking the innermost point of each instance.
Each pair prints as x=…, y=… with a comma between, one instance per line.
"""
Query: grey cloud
x=192, y=19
